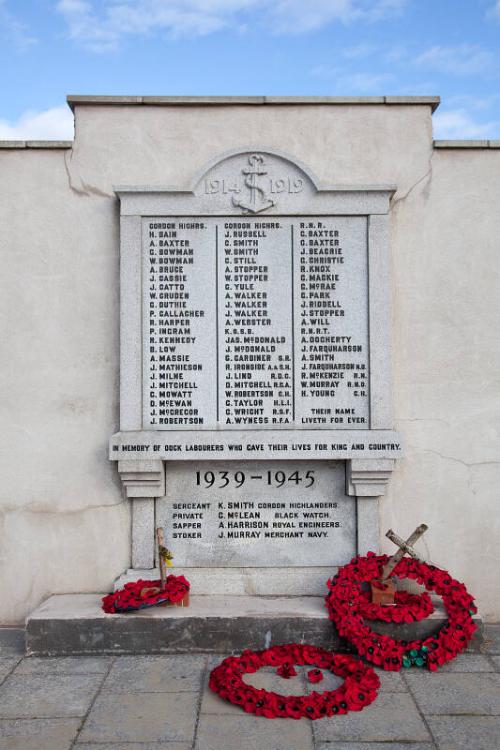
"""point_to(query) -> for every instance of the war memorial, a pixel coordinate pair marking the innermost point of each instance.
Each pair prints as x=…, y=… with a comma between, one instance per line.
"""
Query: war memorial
x=247, y=336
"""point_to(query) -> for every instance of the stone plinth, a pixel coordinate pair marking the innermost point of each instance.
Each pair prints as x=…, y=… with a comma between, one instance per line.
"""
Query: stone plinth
x=75, y=624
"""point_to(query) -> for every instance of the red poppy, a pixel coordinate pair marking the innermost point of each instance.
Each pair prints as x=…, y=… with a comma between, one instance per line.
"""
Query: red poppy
x=315, y=675
x=286, y=670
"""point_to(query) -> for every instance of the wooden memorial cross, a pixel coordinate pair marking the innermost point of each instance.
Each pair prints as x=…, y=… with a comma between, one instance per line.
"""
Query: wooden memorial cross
x=163, y=556
x=383, y=590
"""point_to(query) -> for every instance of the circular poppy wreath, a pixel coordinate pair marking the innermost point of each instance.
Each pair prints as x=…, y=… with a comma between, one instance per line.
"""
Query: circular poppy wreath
x=358, y=690
x=141, y=594
x=407, y=608
x=347, y=606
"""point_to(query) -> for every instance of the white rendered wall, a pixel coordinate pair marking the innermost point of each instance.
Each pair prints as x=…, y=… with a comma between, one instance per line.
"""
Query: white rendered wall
x=63, y=524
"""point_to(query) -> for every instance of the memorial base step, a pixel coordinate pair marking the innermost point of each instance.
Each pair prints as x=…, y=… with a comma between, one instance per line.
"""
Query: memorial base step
x=72, y=624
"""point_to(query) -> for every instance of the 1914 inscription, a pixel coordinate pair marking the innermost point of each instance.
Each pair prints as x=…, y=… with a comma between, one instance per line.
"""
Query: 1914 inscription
x=255, y=323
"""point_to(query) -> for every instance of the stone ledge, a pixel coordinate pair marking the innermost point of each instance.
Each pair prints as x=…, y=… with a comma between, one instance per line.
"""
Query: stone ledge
x=466, y=144
x=279, y=581
x=36, y=144
x=72, y=624
x=186, y=101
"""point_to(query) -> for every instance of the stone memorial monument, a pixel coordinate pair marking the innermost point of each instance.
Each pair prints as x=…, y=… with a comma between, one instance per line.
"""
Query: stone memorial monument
x=255, y=400
x=266, y=325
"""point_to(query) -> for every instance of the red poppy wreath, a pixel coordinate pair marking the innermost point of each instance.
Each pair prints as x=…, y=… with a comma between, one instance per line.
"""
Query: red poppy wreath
x=347, y=605
x=358, y=690
x=141, y=594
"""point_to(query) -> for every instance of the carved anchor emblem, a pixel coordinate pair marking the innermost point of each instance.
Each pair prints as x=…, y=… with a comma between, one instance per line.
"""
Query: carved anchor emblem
x=259, y=199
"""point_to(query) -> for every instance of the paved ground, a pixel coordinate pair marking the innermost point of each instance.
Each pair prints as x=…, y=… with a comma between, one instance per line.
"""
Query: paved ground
x=163, y=703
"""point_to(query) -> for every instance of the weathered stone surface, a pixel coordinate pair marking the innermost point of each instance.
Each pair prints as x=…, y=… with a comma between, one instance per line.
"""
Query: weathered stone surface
x=12, y=641
x=136, y=746
x=48, y=695
x=243, y=731
x=64, y=665
x=134, y=717
x=155, y=674
x=465, y=732
x=76, y=624
x=241, y=581
x=378, y=722
x=268, y=679
x=455, y=693
x=374, y=746
x=38, y=734
x=467, y=663
x=391, y=682
x=492, y=638
x=7, y=664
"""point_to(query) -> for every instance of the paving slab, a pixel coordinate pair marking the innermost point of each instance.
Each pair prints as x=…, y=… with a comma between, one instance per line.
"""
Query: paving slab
x=46, y=696
x=456, y=693
x=38, y=734
x=467, y=663
x=496, y=661
x=12, y=641
x=141, y=717
x=391, y=682
x=492, y=638
x=465, y=732
x=245, y=732
x=7, y=664
x=373, y=746
x=268, y=679
x=65, y=665
x=155, y=674
x=392, y=717
x=133, y=746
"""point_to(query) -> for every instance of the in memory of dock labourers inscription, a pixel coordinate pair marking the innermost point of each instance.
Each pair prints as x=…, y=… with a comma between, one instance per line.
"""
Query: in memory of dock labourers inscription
x=255, y=322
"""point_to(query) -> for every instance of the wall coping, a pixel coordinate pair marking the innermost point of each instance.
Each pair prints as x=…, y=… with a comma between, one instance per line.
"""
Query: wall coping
x=490, y=144
x=466, y=144
x=36, y=144
x=186, y=101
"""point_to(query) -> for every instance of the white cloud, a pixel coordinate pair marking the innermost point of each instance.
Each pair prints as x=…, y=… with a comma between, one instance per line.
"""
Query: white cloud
x=12, y=29
x=470, y=101
x=101, y=26
x=298, y=16
x=346, y=83
x=463, y=59
x=51, y=124
x=458, y=124
x=359, y=52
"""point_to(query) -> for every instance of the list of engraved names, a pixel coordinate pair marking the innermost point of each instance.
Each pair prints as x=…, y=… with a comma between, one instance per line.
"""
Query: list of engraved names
x=255, y=322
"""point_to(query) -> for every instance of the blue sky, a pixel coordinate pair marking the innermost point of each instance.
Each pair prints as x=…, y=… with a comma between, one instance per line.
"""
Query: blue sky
x=49, y=48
